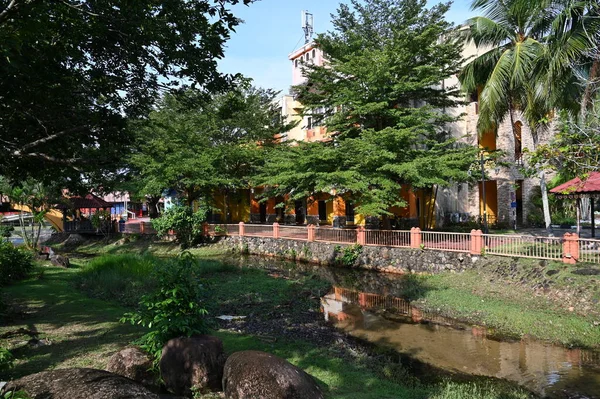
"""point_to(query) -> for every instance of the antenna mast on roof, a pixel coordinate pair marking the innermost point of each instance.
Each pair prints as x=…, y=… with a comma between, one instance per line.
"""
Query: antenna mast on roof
x=307, y=26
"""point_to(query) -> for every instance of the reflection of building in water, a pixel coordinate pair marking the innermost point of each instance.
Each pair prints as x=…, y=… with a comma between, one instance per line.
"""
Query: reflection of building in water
x=546, y=369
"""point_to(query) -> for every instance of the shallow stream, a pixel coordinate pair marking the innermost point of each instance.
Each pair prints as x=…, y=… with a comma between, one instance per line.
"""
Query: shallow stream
x=369, y=305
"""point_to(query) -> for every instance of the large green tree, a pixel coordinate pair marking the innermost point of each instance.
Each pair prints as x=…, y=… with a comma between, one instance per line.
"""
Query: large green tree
x=531, y=51
x=75, y=70
x=197, y=145
x=381, y=97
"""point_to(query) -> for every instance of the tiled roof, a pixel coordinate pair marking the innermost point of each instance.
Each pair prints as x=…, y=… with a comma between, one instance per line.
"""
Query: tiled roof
x=89, y=201
x=591, y=185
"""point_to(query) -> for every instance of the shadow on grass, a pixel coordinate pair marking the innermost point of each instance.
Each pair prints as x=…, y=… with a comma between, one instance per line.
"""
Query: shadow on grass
x=73, y=330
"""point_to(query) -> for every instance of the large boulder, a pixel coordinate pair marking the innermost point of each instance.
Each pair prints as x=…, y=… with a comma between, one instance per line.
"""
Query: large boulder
x=134, y=364
x=73, y=240
x=196, y=361
x=79, y=384
x=60, y=261
x=255, y=374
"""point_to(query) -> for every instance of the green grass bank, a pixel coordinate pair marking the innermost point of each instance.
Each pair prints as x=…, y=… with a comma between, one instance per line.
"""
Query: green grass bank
x=81, y=330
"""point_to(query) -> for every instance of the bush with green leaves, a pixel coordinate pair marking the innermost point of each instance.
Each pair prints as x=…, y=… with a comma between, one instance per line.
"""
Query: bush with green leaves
x=348, y=256
x=174, y=309
x=6, y=359
x=15, y=263
x=184, y=222
x=6, y=231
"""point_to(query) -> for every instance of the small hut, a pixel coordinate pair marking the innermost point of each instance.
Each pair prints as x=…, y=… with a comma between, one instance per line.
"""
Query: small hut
x=80, y=210
x=578, y=188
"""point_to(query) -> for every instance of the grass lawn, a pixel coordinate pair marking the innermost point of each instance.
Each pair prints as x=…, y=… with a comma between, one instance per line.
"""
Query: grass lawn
x=84, y=332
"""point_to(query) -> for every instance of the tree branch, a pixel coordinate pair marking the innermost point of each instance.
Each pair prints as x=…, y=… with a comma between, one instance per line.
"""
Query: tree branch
x=45, y=140
x=5, y=13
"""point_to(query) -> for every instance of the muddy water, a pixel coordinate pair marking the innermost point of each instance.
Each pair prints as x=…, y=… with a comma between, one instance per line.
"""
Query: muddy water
x=369, y=305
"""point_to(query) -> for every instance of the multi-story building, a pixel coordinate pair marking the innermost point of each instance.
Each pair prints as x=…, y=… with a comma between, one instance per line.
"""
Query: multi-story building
x=507, y=190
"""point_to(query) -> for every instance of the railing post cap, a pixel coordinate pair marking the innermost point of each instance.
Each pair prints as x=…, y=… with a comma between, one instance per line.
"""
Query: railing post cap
x=241, y=223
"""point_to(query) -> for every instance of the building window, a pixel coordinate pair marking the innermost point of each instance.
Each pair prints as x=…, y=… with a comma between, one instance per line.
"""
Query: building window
x=314, y=53
x=309, y=123
x=296, y=63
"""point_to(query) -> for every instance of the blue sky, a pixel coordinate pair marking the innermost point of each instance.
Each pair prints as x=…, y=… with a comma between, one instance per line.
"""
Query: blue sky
x=271, y=30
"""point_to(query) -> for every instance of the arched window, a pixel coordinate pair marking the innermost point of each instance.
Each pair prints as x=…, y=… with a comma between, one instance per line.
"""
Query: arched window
x=314, y=53
x=517, y=129
x=296, y=63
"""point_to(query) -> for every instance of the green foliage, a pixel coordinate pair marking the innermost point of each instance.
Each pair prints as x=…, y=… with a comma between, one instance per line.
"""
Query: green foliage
x=347, y=256
x=15, y=263
x=6, y=231
x=101, y=220
x=37, y=199
x=174, y=309
x=379, y=92
x=97, y=64
x=184, y=222
x=195, y=144
x=15, y=395
x=6, y=359
x=575, y=150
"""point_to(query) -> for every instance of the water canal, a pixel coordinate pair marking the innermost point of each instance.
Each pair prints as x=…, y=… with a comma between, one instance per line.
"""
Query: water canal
x=369, y=305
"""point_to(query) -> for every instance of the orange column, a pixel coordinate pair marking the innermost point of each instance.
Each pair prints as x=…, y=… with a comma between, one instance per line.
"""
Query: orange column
x=415, y=237
x=570, y=248
x=476, y=242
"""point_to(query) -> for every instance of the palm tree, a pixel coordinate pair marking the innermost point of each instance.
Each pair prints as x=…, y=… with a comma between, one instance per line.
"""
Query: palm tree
x=529, y=50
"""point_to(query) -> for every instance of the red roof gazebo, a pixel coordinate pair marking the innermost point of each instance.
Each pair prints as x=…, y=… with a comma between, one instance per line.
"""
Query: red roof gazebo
x=578, y=188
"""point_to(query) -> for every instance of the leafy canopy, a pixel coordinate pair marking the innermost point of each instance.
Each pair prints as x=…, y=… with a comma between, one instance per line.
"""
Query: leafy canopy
x=74, y=70
x=381, y=97
x=196, y=145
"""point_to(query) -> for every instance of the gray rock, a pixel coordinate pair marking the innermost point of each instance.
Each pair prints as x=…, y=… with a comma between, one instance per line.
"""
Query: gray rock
x=134, y=364
x=188, y=362
x=79, y=384
x=60, y=261
x=255, y=374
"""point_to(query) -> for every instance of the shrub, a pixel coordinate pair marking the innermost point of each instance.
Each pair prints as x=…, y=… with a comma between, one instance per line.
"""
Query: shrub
x=186, y=224
x=6, y=359
x=6, y=231
x=174, y=309
x=15, y=263
x=349, y=255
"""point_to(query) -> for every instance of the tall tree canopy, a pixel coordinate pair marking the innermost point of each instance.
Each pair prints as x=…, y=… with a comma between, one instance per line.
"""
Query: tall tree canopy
x=74, y=70
x=381, y=97
x=197, y=145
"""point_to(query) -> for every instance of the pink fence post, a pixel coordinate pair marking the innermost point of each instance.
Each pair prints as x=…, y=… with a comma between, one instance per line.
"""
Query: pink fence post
x=242, y=229
x=275, y=230
x=311, y=232
x=570, y=248
x=205, y=229
x=141, y=227
x=361, y=236
x=415, y=237
x=476, y=242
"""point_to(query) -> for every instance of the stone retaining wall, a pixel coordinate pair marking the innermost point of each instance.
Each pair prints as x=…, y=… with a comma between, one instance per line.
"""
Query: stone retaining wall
x=388, y=259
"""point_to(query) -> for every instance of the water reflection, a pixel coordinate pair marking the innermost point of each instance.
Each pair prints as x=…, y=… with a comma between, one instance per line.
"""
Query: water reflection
x=369, y=305
x=546, y=369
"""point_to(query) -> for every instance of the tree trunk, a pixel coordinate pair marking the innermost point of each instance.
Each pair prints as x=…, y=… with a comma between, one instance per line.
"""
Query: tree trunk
x=545, y=204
